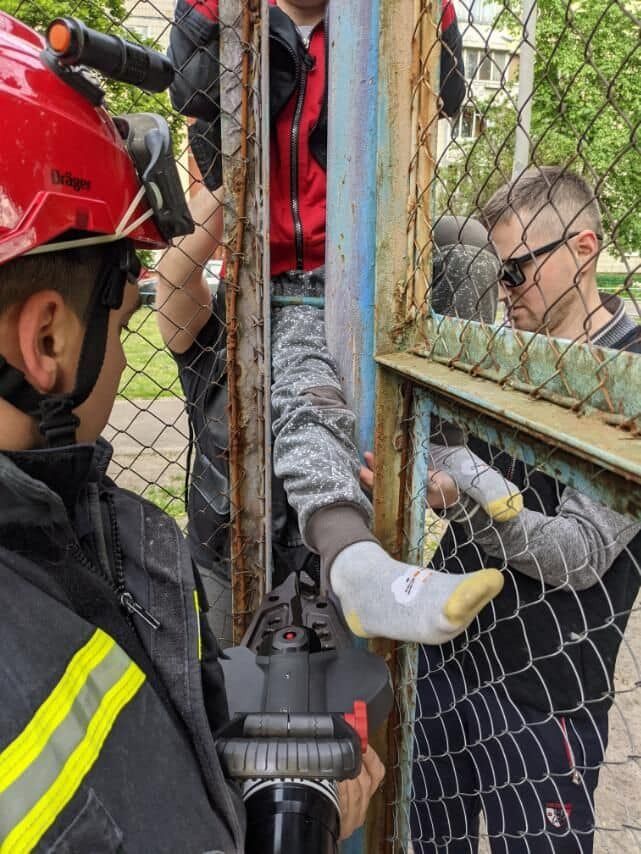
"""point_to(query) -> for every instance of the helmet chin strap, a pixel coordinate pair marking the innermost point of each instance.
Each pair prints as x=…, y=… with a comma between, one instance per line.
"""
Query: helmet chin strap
x=54, y=412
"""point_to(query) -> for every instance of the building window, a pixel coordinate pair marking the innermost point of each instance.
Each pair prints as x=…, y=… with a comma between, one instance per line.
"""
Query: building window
x=486, y=66
x=470, y=123
x=145, y=31
x=478, y=11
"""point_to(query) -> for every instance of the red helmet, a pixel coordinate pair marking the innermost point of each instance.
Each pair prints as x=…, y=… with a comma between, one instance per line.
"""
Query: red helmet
x=64, y=166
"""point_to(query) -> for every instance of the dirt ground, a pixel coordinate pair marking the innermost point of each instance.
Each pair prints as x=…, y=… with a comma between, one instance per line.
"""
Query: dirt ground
x=619, y=793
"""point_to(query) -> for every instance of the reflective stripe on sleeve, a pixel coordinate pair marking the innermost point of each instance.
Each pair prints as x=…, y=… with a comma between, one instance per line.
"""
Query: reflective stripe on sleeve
x=42, y=769
x=200, y=640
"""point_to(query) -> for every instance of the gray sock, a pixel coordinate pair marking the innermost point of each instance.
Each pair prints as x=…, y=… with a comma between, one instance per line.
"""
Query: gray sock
x=500, y=499
x=382, y=597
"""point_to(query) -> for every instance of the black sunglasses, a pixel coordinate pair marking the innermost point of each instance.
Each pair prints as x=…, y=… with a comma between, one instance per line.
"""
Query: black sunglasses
x=511, y=273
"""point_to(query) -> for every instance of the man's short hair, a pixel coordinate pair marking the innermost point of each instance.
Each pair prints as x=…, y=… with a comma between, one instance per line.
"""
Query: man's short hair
x=552, y=195
x=72, y=273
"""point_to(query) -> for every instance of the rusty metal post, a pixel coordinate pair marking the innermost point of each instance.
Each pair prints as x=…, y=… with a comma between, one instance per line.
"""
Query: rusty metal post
x=407, y=98
x=240, y=88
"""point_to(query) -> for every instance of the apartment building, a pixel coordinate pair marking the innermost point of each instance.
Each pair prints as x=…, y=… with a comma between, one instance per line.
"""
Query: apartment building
x=150, y=20
x=491, y=64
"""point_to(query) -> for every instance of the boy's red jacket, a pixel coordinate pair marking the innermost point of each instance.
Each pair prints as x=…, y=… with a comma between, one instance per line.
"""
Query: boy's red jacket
x=298, y=115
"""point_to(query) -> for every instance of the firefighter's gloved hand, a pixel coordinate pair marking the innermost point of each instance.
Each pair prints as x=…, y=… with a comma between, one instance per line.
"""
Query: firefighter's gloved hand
x=382, y=597
x=485, y=485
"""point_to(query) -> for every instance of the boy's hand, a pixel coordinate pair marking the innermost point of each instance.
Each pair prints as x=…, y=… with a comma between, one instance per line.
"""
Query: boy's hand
x=366, y=473
x=354, y=795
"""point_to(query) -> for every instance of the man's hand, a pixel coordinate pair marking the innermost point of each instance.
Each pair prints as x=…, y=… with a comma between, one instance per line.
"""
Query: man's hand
x=354, y=795
x=442, y=491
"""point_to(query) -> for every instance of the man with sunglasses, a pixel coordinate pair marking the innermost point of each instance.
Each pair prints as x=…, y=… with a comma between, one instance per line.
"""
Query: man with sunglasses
x=513, y=719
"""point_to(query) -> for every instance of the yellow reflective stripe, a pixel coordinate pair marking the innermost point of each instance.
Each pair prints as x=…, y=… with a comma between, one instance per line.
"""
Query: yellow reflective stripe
x=200, y=640
x=29, y=744
x=39, y=819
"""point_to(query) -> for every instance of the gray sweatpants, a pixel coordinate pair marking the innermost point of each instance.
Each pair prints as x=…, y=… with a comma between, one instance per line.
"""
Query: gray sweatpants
x=314, y=448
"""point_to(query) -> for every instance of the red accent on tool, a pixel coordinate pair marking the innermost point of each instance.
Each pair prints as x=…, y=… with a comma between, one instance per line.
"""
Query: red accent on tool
x=358, y=721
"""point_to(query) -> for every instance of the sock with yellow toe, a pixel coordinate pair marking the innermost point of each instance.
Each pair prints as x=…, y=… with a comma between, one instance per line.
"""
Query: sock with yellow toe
x=500, y=498
x=382, y=597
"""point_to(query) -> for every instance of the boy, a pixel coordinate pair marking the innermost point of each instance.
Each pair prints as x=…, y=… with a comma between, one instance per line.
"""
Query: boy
x=314, y=450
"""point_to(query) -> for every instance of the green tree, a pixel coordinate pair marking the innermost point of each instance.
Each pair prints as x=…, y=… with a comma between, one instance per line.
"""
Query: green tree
x=475, y=169
x=586, y=111
x=108, y=16
x=587, y=103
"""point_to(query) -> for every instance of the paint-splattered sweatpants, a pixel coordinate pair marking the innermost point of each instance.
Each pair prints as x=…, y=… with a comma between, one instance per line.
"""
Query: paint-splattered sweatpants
x=314, y=447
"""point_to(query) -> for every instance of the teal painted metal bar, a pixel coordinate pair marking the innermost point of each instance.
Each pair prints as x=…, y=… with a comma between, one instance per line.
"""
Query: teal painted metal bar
x=602, y=486
x=351, y=218
x=578, y=376
x=419, y=445
x=317, y=302
x=407, y=661
x=599, y=460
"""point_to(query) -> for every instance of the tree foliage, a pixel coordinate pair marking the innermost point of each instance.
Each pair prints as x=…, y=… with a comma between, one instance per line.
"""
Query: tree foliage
x=108, y=16
x=586, y=110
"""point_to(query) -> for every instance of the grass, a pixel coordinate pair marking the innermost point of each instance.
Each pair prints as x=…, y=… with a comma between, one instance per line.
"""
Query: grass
x=616, y=283
x=170, y=497
x=434, y=531
x=151, y=370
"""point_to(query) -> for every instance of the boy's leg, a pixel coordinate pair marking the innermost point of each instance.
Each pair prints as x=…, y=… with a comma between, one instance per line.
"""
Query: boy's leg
x=316, y=456
x=314, y=449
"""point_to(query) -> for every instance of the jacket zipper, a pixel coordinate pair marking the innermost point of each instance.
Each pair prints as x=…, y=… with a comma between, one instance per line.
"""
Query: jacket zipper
x=302, y=72
x=126, y=598
x=295, y=200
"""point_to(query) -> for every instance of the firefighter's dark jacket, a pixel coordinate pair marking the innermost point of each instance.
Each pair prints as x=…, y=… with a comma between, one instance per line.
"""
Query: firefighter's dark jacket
x=105, y=722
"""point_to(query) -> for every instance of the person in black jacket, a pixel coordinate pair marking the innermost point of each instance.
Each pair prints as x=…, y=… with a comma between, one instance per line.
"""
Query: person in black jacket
x=513, y=719
x=195, y=338
x=110, y=683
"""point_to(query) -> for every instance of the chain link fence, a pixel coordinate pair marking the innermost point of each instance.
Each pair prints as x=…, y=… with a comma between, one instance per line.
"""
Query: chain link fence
x=189, y=426
x=518, y=428
x=527, y=397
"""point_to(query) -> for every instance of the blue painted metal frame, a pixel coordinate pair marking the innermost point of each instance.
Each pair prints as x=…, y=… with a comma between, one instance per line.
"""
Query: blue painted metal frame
x=351, y=217
x=598, y=459
x=408, y=653
x=351, y=204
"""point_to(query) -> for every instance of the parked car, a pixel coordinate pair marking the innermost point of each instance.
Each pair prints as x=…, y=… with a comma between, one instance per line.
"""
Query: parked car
x=147, y=285
x=148, y=281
